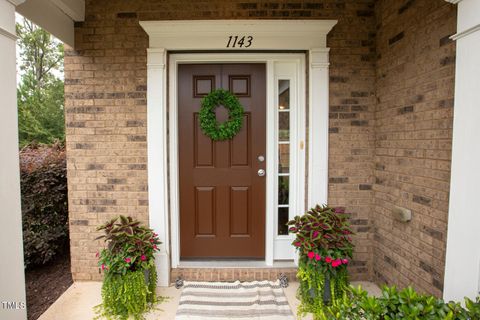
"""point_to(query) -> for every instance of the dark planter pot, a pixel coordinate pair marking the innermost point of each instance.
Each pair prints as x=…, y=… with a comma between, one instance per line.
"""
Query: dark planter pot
x=327, y=296
x=327, y=293
x=146, y=274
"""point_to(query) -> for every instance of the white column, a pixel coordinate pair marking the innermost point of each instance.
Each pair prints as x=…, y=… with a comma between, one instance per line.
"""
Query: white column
x=318, y=127
x=12, y=278
x=157, y=157
x=462, y=270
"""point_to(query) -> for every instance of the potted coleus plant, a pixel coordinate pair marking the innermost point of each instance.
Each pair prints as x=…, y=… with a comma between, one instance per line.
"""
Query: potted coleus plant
x=127, y=261
x=325, y=248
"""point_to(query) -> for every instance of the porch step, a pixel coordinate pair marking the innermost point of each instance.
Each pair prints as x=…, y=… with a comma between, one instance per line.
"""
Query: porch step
x=232, y=274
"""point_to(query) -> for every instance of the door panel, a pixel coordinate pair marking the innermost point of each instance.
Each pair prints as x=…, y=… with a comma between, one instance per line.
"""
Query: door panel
x=240, y=148
x=204, y=155
x=240, y=211
x=222, y=198
x=205, y=211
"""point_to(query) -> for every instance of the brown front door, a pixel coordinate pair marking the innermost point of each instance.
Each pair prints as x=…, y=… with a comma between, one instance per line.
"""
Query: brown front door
x=222, y=197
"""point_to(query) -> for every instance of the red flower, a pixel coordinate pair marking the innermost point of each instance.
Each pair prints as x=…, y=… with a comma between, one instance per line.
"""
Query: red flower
x=297, y=244
x=328, y=259
x=97, y=254
x=155, y=247
x=143, y=258
x=318, y=257
x=315, y=234
x=311, y=254
x=336, y=263
x=345, y=261
x=103, y=267
x=151, y=240
x=128, y=260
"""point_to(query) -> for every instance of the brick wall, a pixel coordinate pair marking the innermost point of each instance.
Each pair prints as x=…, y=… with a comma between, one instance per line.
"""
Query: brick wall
x=352, y=106
x=394, y=150
x=105, y=85
x=414, y=89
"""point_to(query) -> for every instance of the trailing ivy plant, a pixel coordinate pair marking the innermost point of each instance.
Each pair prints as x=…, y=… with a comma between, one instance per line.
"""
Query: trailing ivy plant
x=325, y=248
x=128, y=289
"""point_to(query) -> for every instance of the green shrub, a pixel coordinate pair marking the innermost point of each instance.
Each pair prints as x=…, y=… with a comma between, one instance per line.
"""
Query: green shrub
x=393, y=304
x=44, y=203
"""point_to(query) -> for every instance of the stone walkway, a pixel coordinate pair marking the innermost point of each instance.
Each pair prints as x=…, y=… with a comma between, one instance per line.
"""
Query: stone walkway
x=77, y=302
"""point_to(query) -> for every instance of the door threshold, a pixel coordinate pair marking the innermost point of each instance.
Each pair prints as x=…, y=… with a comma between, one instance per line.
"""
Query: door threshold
x=235, y=264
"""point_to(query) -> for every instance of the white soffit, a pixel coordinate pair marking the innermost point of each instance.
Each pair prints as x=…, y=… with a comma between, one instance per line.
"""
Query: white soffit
x=16, y=2
x=75, y=9
x=55, y=16
x=215, y=34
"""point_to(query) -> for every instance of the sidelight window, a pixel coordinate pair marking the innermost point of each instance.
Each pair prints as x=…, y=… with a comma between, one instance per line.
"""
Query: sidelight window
x=283, y=145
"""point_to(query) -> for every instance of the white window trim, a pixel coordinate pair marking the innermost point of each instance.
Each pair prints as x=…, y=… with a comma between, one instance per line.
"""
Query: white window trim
x=294, y=71
x=308, y=35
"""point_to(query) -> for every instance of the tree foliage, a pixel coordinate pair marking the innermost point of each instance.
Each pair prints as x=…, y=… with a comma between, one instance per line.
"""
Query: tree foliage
x=40, y=92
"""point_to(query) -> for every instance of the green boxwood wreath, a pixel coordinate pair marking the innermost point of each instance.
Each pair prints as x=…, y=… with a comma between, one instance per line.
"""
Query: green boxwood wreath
x=208, y=120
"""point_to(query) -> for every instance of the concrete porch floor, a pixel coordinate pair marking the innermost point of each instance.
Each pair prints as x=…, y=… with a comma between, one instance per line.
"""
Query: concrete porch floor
x=78, y=301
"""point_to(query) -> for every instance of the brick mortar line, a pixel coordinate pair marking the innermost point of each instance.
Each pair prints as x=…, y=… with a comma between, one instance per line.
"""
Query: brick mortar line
x=409, y=175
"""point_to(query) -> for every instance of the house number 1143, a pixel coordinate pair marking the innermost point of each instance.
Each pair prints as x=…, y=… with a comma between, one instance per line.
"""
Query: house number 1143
x=239, y=42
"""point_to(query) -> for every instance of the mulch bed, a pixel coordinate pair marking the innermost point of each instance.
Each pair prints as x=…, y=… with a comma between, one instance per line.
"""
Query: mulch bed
x=45, y=284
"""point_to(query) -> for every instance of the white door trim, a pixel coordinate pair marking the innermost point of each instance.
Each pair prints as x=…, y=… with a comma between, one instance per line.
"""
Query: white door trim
x=309, y=35
x=318, y=119
x=271, y=155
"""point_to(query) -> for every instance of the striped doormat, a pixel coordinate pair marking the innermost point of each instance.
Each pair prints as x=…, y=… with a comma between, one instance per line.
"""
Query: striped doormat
x=233, y=300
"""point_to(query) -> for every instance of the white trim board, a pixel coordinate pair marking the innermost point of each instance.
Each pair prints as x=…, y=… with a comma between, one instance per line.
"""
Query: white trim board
x=214, y=34
x=8, y=34
x=308, y=35
x=463, y=280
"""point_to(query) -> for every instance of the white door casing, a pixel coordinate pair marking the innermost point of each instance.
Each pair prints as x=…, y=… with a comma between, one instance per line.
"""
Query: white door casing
x=278, y=66
x=213, y=35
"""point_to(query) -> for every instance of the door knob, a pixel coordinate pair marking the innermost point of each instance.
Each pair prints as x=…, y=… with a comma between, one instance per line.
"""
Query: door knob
x=261, y=158
x=261, y=173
